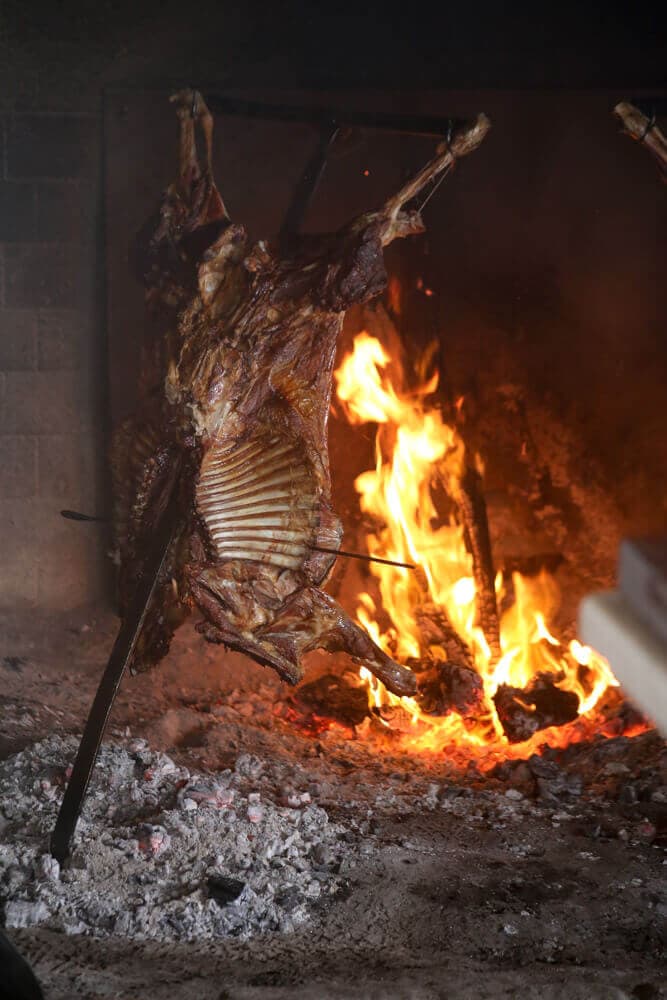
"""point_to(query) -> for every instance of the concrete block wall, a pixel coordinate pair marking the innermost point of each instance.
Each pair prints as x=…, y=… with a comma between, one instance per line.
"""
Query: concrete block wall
x=52, y=385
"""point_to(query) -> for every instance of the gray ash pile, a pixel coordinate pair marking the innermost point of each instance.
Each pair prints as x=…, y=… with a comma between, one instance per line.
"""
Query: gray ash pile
x=162, y=853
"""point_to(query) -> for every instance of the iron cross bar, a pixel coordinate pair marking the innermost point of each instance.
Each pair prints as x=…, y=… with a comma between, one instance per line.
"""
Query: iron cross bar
x=435, y=126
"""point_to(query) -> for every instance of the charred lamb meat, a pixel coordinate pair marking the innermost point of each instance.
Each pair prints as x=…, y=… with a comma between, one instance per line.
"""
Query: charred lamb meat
x=235, y=391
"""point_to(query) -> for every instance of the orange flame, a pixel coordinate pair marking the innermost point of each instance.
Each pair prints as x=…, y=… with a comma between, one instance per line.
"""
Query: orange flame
x=417, y=453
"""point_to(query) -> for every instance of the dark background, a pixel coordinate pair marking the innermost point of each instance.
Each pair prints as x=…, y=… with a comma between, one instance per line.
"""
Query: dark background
x=362, y=45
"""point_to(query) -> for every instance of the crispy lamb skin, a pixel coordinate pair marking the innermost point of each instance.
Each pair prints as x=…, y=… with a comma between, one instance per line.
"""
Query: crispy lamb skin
x=235, y=392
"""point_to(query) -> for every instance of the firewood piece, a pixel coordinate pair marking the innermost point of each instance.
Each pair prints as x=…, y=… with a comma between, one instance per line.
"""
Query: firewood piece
x=445, y=686
x=449, y=684
x=643, y=129
x=435, y=629
x=523, y=711
x=469, y=497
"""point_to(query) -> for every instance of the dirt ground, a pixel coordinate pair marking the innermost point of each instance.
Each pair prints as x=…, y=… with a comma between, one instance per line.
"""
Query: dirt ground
x=506, y=885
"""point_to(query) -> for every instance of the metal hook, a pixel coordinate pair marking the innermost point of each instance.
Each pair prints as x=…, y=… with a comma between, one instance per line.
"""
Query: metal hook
x=436, y=184
x=647, y=128
x=448, y=136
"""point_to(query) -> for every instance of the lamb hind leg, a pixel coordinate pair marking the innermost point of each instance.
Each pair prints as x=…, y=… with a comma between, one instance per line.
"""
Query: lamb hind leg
x=313, y=620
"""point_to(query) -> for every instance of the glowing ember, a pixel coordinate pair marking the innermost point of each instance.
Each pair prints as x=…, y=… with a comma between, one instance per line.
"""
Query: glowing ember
x=417, y=458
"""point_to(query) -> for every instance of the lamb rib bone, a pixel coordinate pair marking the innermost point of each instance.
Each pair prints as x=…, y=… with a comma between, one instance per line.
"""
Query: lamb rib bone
x=236, y=384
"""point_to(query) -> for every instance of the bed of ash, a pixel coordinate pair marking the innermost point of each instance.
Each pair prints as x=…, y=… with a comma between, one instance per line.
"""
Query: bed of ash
x=225, y=852
x=163, y=852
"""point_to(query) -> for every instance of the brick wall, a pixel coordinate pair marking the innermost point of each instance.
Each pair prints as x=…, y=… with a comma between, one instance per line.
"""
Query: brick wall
x=51, y=356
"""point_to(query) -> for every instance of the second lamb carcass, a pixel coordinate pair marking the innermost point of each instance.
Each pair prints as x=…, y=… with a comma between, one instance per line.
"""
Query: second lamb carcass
x=235, y=392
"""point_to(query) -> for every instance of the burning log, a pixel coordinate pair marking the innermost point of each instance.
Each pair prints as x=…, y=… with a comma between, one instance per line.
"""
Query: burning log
x=523, y=711
x=236, y=384
x=436, y=629
x=449, y=683
x=468, y=494
x=644, y=130
x=445, y=687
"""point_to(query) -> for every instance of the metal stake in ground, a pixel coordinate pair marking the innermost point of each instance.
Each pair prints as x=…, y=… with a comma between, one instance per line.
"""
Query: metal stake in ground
x=121, y=655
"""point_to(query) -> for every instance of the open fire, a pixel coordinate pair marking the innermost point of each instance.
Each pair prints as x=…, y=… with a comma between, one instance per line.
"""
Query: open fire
x=532, y=688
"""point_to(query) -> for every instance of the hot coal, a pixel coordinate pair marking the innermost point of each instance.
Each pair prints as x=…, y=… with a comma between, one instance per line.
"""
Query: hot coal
x=524, y=711
x=445, y=687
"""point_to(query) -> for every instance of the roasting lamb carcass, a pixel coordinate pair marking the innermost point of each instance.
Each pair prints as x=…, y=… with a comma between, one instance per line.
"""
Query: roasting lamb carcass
x=234, y=398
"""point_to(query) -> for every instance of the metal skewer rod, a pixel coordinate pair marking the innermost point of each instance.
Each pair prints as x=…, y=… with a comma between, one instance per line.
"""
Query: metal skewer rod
x=434, y=126
x=76, y=515
x=361, y=555
x=121, y=655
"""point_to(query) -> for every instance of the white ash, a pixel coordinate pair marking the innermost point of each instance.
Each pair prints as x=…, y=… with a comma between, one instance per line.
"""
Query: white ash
x=150, y=836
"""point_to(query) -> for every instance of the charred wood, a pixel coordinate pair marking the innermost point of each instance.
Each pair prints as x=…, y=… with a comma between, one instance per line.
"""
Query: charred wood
x=524, y=711
x=469, y=496
x=445, y=687
x=436, y=630
x=446, y=676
